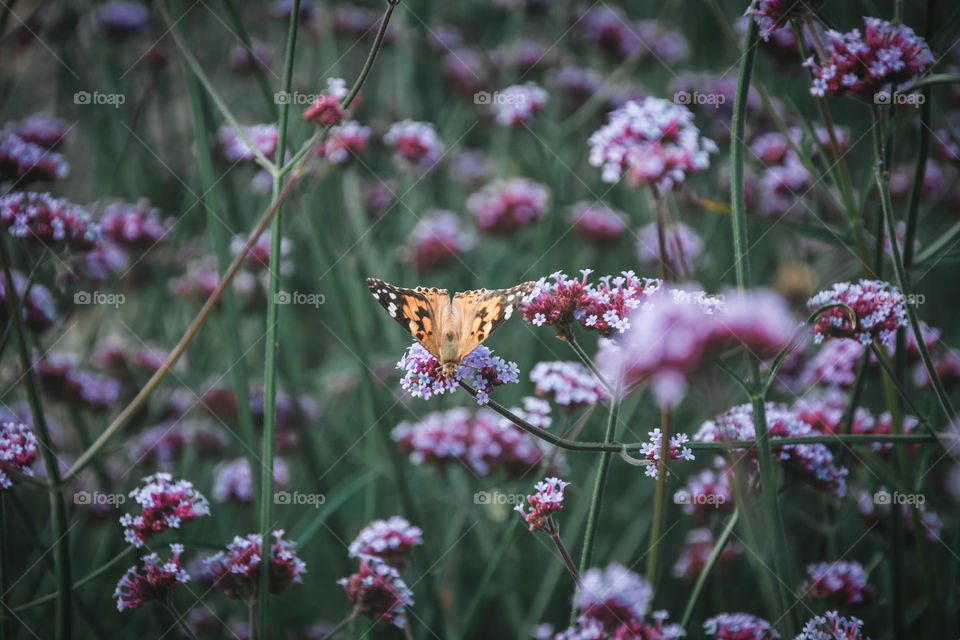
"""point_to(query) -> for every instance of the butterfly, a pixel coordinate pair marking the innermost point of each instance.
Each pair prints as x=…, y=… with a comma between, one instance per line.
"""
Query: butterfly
x=449, y=329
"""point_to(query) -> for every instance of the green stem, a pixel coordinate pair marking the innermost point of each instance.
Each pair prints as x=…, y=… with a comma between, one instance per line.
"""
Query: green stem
x=660, y=496
x=79, y=583
x=272, y=340
x=58, y=509
x=586, y=359
x=882, y=177
x=708, y=567
x=567, y=560
x=480, y=594
x=330, y=635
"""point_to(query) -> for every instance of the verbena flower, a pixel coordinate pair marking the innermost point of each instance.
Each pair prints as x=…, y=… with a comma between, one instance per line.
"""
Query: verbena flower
x=345, y=141
x=157, y=581
x=377, y=591
x=879, y=307
x=423, y=377
x=771, y=15
x=38, y=309
x=835, y=364
x=60, y=375
x=707, y=491
x=437, y=239
x=326, y=109
x=681, y=244
x=739, y=626
x=388, y=540
x=503, y=206
x=809, y=463
x=237, y=572
x=826, y=410
x=558, y=304
x=24, y=162
x=136, y=226
x=415, y=144
x=676, y=449
x=832, y=626
x=232, y=479
x=613, y=596
x=547, y=500
x=43, y=130
x=263, y=137
x=653, y=141
x=698, y=545
x=164, y=504
x=597, y=223
x=609, y=29
x=120, y=19
x=567, y=383
x=610, y=302
x=517, y=104
x=18, y=450
x=842, y=583
x=864, y=64
x=42, y=219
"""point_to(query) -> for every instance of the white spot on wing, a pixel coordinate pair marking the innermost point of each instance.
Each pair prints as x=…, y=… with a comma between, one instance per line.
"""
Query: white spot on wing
x=392, y=310
x=508, y=312
x=393, y=296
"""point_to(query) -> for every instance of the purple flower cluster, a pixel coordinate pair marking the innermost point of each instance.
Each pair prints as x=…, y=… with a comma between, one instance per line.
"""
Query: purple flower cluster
x=423, y=376
x=608, y=28
x=415, y=145
x=707, y=491
x=345, y=141
x=842, y=583
x=879, y=308
x=235, y=149
x=18, y=450
x=133, y=226
x=771, y=15
x=864, y=64
x=236, y=573
x=698, y=545
x=41, y=218
x=23, y=161
x=326, y=109
x=164, y=504
x=739, y=626
x=517, y=104
x=504, y=206
x=680, y=243
x=387, y=540
x=232, y=479
x=157, y=581
x=543, y=504
x=832, y=626
x=62, y=378
x=676, y=449
x=120, y=19
x=653, y=141
x=567, y=383
x=810, y=463
x=482, y=441
x=377, y=591
x=38, y=309
x=437, y=239
x=42, y=129
x=597, y=223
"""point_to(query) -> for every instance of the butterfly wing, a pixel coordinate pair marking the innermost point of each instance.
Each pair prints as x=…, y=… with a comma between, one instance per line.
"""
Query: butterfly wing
x=420, y=311
x=478, y=313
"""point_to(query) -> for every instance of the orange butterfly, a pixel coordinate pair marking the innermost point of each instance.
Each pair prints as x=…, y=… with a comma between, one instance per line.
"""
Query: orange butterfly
x=449, y=330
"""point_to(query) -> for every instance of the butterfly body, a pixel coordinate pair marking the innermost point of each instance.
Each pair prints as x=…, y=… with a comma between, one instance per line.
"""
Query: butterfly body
x=449, y=329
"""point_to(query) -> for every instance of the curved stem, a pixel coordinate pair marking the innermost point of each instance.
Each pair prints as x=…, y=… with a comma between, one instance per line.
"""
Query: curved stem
x=660, y=496
x=705, y=572
x=586, y=359
x=567, y=560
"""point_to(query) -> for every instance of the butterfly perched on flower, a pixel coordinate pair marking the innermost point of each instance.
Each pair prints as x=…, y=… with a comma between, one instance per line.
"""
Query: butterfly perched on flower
x=449, y=329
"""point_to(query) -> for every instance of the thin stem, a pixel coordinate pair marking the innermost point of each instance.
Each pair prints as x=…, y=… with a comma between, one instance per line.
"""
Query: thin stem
x=708, y=567
x=586, y=359
x=480, y=594
x=888, y=370
x=567, y=560
x=661, y=239
x=58, y=509
x=660, y=496
x=882, y=177
x=341, y=625
x=179, y=621
x=272, y=339
x=79, y=583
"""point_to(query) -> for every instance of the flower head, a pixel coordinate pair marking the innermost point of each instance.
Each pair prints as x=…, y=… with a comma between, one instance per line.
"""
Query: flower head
x=40, y=218
x=567, y=383
x=345, y=141
x=120, y=19
x=134, y=226
x=377, y=591
x=503, y=206
x=698, y=545
x=23, y=161
x=18, y=450
x=415, y=144
x=518, y=103
x=878, y=306
x=681, y=244
x=842, y=583
x=42, y=129
x=155, y=583
x=437, y=239
x=237, y=572
x=235, y=149
x=832, y=626
x=232, y=481
x=739, y=626
x=423, y=375
x=676, y=450
x=389, y=540
x=707, y=491
x=326, y=109
x=596, y=223
x=863, y=64
x=543, y=504
x=613, y=595
x=653, y=141
x=771, y=15
x=165, y=504
x=37, y=306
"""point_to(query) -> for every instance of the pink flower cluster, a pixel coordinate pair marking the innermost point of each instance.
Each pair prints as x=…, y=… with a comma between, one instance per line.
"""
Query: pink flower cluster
x=697, y=547
x=681, y=244
x=22, y=161
x=236, y=573
x=653, y=141
x=387, y=540
x=864, y=64
x=415, y=144
x=235, y=149
x=133, y=226
x=707, y=491
x=504, y=206
x=377, y=591
x=771, y=15
x=569, y=384
x=676, y=449
x=18, y=450
x=597, y=223
x=543, y=504
x=609, y=29
x=739, y=626
x=326, y=109
x=842, y=583
x=437, y=239
x=423, y=377
x=41, y=218
x=810, y=463
x=165, y=504
x=38, y=307
x=232, y=480
x=672, y=336
x=157, y=581
x=832, y=626
x=517, y=104
x=879, y=308
x=345, y=141
x=481, y=441
x=60, y=376
x=43, y=130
